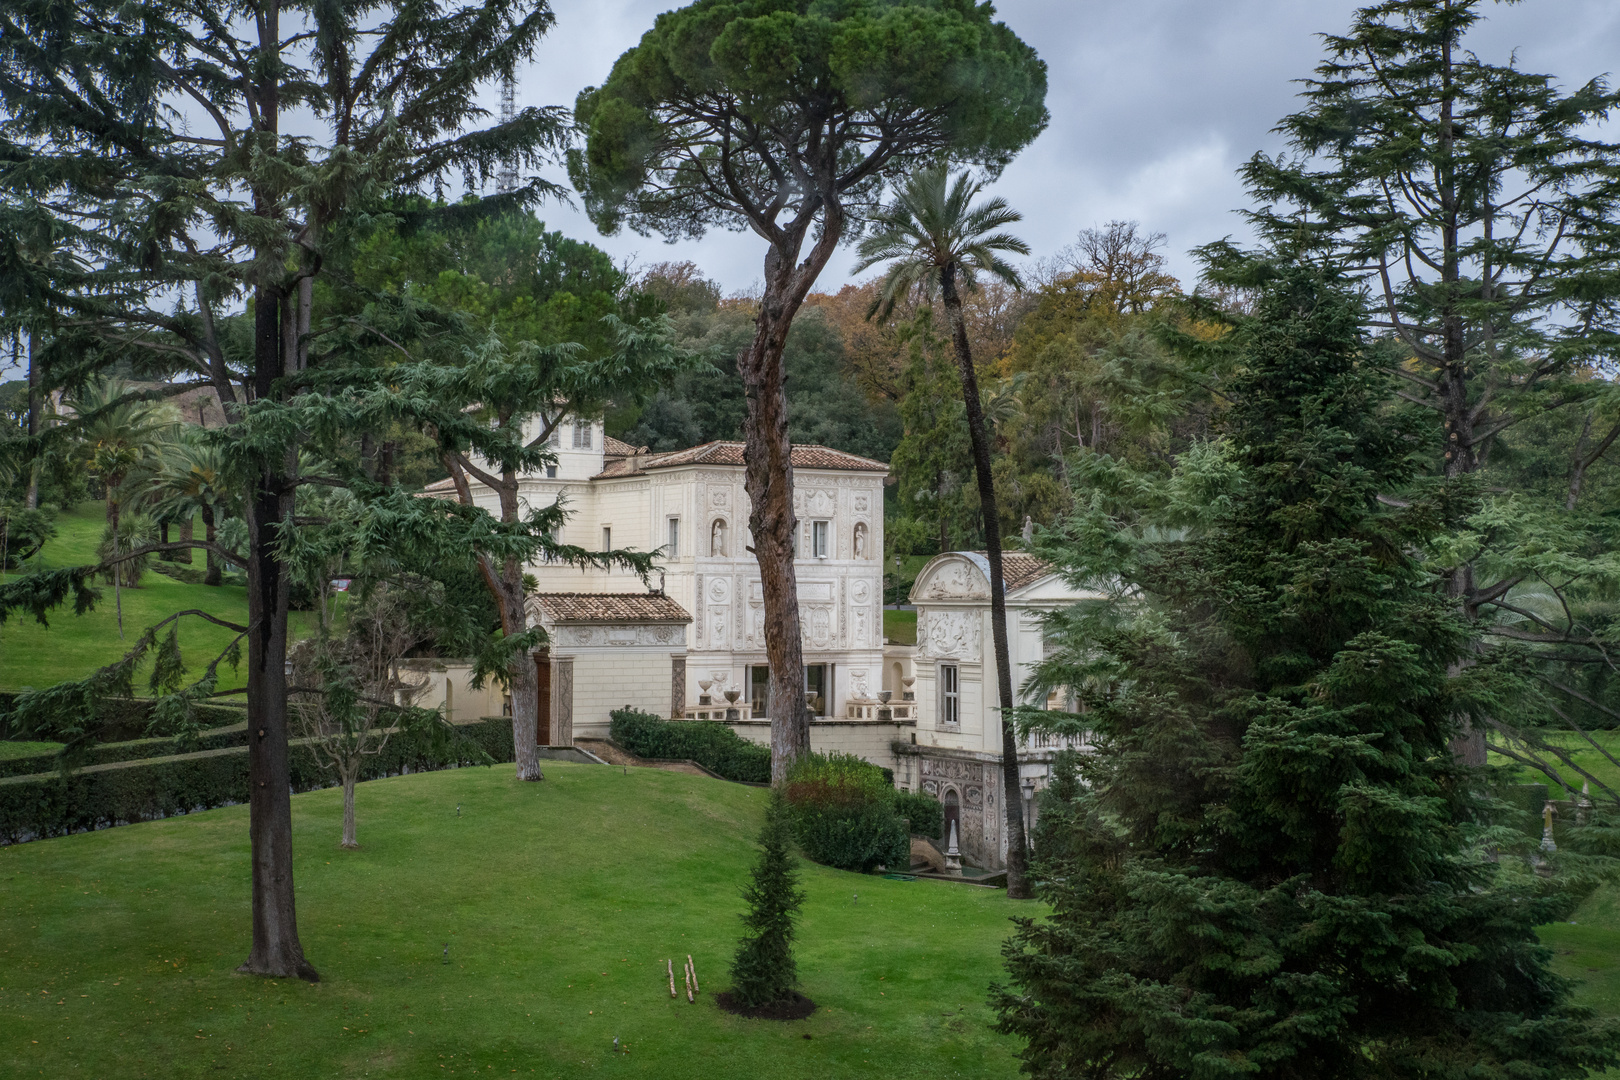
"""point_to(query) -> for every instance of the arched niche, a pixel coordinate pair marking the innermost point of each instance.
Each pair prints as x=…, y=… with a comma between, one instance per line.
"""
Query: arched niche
x=718, y=540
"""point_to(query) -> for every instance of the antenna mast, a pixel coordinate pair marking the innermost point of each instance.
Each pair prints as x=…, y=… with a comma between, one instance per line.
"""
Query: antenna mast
x=506, y=180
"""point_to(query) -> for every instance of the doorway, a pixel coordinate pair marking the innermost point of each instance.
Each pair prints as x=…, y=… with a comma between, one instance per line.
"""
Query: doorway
x=542, y=681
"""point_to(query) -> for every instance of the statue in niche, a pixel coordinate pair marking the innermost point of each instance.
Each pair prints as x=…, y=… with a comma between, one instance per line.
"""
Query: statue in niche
x=860, y=540
x=717, y=538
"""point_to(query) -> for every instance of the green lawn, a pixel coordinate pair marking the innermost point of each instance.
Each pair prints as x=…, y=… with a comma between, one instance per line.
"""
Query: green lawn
x=900, y=627
x=1584, y=755
x=73, y=646
x=560, y=903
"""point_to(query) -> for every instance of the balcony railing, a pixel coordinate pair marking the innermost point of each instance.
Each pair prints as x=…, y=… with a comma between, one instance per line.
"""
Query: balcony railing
x=876, y=711
x=1043, y=740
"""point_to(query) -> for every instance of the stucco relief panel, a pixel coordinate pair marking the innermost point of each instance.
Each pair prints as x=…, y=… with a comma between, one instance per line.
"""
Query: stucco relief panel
x=948, y=635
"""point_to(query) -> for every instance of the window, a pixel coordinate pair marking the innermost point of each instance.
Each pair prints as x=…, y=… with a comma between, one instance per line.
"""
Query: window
x=607, y=538
x=582, y=434
x=815, y=689
x=950, y=695
x=555, y=438
x=818, y=538
x=551, y=472
x=759, y=690
x=672, y=550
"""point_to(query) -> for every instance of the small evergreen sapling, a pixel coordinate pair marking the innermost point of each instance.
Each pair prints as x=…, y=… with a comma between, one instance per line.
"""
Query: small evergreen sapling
x=763, y=972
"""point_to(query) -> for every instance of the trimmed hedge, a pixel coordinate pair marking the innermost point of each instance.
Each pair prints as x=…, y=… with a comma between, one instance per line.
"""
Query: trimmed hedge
x=714, y=746
x=127, y=718
x=926, y=813
x=844, y=813
x=38, y=806
x=133, y=750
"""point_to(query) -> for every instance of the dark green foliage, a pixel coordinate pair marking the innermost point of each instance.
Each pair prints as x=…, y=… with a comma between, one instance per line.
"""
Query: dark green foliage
x=714, y=746
x=843, y=813
x=1275, y=867
x=925, y=815
x=825, y=407
x=107, y=753
x=35, y=807
x=23, y=533
x=763, y=971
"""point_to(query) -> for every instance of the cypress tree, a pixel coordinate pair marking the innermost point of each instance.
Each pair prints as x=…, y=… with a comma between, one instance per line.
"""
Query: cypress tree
x=763, y=972
x=1272, y=868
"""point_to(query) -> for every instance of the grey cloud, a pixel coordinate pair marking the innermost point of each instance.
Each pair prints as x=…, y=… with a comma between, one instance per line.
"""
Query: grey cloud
x=1154, y=106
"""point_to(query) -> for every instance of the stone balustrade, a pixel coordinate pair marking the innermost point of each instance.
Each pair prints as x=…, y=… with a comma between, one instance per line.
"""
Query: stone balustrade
x=873, y=710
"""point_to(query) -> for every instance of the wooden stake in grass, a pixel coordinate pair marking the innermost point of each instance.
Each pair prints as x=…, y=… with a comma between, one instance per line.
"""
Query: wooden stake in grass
x=671, y=966
x=692, y=967
x=687, y=972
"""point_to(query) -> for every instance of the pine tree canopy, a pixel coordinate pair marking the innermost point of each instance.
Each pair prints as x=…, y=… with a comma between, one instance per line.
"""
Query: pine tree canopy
x=1273, y=867
x=731, y=111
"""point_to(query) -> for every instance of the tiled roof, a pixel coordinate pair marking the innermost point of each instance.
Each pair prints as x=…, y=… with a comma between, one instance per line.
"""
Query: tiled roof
x=1017, y=568
x=612, y=447
x=611, y=607
x=731, y=453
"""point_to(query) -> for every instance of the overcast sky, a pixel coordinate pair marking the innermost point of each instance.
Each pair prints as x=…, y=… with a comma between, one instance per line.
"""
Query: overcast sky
x=1154, y=104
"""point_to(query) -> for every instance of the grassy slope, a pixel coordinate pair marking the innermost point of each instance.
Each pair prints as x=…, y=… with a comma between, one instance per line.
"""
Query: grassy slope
x=73, y=646
x=560, y=903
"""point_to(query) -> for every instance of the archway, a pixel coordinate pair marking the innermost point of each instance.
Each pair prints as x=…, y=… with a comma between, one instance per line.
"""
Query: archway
x=953, y=816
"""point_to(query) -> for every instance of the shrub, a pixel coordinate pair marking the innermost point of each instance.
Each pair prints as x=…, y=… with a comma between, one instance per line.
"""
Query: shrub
x=924, y=812
x=34, y=807
x=714, y=746
x=844, y=813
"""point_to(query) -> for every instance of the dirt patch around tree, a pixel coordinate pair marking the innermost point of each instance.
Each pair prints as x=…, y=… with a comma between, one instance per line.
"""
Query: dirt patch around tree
x=798, y=1007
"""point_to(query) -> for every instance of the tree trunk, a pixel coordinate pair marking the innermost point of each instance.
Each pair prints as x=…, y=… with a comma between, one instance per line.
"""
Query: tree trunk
x=212, y=577
x=276, y=950
x=349, y=772
x=768, y=479
x=1018, y=885
x=35, y=405
x=183, y=555
x=525, y=717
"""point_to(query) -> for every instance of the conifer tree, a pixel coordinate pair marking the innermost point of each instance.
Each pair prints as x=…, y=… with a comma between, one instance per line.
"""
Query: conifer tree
x=763, y=971
x=1271, y=871
x=160, y=143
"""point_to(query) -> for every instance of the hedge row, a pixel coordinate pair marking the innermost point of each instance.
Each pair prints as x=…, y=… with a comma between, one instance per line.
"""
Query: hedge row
x=127, y=718
x=133, y=750
x=34, y=807
x=714, y=746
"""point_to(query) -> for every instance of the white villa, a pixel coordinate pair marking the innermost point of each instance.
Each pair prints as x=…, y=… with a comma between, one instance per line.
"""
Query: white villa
x=693, y=647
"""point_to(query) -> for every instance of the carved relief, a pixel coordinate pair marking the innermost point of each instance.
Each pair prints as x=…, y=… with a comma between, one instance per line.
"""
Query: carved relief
x=955, y=579
x=857, y=682
x=719, y=590
x=820, y=623
x=627, y=634
x=717, y=625
x=948, y=635
x=861, y=504
x=861, y=624
x=860, y=590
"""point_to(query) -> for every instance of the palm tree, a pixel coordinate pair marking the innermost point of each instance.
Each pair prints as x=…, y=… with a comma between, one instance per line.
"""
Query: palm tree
x=190, y=480
x=938, y=243
x=121, y=437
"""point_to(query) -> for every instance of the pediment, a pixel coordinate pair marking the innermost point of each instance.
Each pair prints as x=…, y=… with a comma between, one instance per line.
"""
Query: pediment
x=955, y=576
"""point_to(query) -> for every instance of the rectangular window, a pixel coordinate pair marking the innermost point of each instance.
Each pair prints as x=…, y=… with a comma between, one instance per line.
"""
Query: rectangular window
x=950, y=695
x=815, y=688
x=555, y=438
x=759, y=690
x=672, y=550
x=582, y=435
x=818, y=538
x=607, y=538
x=551, y=472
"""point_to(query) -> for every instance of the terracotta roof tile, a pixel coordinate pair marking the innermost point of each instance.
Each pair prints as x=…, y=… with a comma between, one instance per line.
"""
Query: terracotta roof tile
x=1017, y=568
x=612, y=447
x=731, y=453
x=611, y=607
